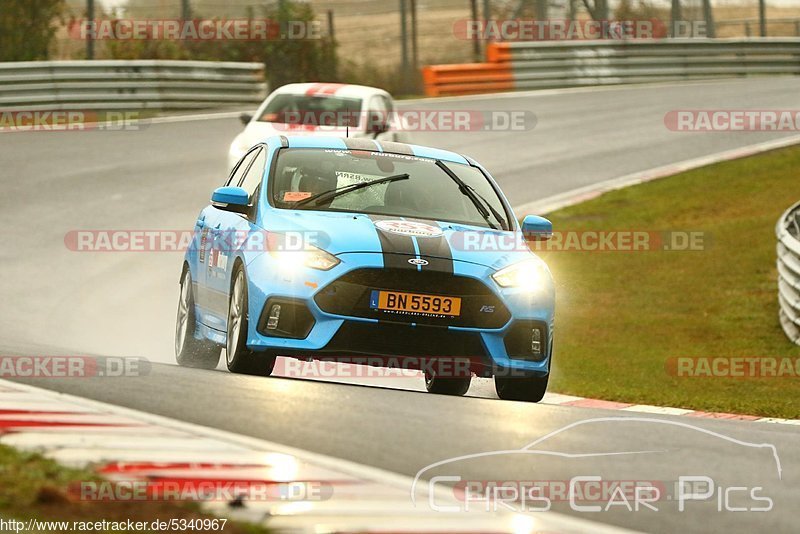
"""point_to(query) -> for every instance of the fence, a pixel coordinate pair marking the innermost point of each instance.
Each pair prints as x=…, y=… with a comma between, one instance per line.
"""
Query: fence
x=118, y=84
x=555, y=64
x=788, y=231
x=751, y=27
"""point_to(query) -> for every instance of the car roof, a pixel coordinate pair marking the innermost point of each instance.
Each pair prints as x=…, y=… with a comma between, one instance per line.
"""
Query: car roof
x=330, y=89
x=338, y=143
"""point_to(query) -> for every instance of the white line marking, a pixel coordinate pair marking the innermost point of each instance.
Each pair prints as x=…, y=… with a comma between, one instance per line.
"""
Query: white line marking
x=663, y=410
x=199, y=117
x=581, y=194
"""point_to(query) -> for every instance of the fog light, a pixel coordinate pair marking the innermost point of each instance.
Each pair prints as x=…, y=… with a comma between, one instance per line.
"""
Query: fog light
x=274, y=317
x=536, y=341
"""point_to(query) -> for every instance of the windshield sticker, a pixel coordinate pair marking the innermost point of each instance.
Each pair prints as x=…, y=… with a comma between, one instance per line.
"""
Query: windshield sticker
x=409, y=228
x=295, y=196
x=376, y=155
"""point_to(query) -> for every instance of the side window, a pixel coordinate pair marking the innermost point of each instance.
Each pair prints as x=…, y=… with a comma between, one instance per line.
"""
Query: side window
x=241, y=168
x=391, y=120
x=252, y=179
x=378, y=114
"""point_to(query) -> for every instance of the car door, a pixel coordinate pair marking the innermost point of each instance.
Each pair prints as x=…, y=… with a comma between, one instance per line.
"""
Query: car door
x=212, y=303
x=231, y=229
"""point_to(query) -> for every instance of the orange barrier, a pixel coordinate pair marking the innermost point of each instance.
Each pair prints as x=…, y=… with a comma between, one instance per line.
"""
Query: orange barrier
x=471, y=78
x=467, y=79
x=498, y=53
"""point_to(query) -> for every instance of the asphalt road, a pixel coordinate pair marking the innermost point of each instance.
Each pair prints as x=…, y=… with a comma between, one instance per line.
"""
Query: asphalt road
x=59, y=301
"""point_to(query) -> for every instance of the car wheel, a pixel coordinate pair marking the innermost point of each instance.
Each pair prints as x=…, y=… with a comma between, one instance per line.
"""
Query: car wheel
x=528, y=389
x=190, y=351
x=238, y=358
x=446, y=386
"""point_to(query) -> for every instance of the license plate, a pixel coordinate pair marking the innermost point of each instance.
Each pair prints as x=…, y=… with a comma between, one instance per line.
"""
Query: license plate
x=415, y=303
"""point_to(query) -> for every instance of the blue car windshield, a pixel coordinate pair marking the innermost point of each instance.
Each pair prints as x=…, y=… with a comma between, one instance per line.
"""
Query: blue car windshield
x=427, y=193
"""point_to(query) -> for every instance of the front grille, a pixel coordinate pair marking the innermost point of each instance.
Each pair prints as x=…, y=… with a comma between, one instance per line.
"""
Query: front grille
x=386, y=339
x=350, y=295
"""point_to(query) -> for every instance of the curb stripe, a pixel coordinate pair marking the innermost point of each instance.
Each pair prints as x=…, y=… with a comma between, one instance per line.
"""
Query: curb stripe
x=556, y=399
x=363, y=499
x=582, y=194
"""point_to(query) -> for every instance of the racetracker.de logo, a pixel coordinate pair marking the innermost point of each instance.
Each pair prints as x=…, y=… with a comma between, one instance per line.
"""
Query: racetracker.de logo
x=733, y=120
x=563, y=29
x=194, y=30
x=582, y=241
x=68, y=121
x=202, y=490
x=71, y=367
x=408, y=120
x=180, y=240
x=736, y=367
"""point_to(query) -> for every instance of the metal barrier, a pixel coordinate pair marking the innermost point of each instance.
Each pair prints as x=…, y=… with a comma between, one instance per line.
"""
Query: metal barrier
x=555, y=64
x=788, y=231
x=467, y=79
x=123, y=84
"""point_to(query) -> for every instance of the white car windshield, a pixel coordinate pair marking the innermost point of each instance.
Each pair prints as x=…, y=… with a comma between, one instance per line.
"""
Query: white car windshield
x=313, y=110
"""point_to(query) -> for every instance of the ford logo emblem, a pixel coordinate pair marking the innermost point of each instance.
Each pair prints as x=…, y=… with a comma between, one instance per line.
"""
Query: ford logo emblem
x=418, y=261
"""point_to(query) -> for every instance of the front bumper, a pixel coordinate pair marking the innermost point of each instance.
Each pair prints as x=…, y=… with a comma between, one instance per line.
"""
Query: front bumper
x=323, y=315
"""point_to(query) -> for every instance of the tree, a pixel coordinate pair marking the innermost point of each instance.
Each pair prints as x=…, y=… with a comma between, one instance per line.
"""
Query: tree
x=287, y=60
x=27, y=28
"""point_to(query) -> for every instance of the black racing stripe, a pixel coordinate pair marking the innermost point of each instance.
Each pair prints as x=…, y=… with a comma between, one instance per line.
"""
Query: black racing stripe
x=436, y=250
x=360, y=144
x=396, y=148
x=397, y=249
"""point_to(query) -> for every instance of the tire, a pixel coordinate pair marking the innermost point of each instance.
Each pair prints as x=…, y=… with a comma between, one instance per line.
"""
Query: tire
x=190, y=351
x=527, y=389
x=456, y=386
x=237, y=356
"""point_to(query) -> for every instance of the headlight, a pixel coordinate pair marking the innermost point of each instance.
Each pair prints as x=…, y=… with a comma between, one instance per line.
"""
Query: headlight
x=292, y=257
x=530, y=275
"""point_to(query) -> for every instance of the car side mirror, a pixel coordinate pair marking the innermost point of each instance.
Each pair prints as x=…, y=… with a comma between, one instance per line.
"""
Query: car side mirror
x=233, y=199
x=537, y=228
x=246, y=118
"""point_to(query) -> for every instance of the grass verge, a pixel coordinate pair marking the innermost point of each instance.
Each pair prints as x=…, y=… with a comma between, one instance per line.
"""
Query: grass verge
x=34, y=487
x=621, y=316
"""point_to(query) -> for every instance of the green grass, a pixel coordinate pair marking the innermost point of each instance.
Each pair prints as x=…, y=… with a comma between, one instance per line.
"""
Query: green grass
x=620, y=316
x=32, y=486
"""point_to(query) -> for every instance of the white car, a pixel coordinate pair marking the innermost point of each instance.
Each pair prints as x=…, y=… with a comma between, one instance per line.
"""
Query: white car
x=329, y=109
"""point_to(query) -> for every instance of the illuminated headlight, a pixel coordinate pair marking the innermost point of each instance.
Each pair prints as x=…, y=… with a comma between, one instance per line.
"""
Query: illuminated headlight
x=530, y=275
x=310, y=256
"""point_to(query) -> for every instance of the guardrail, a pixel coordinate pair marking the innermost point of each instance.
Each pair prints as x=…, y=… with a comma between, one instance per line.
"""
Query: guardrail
x=123, y=84
x=788, y=232
x=556, y=64
x=467, y=79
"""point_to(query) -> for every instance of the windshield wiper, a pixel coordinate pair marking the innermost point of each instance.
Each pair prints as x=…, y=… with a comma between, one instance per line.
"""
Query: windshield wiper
x=477, y=200
x=333, y=193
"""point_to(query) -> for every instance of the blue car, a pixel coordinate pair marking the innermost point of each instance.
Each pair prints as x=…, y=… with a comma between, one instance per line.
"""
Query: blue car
x=368, y=252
